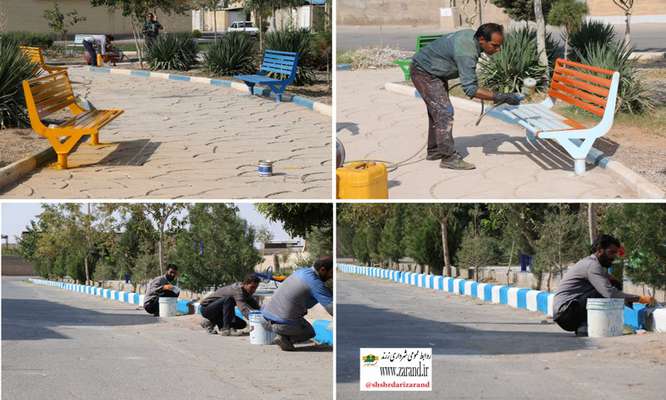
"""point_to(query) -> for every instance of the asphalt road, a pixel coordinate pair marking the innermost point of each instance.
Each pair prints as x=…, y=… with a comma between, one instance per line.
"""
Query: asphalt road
x=645, y=37
x=63, y=345
x=488, y=351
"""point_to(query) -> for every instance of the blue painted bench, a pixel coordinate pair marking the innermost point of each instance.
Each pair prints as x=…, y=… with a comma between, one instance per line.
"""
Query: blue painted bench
x=282, y=63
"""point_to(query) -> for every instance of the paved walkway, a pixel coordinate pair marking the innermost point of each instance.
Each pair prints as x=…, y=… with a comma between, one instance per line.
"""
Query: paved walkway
x=58, y=344
x=488, y=351
x=189, y=140
x=376, y=124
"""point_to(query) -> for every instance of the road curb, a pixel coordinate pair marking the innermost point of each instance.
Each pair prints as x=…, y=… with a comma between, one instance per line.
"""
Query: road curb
x=516, y=297
x=321, y=108
x=643, y=187
x=323, y=328
x=15, y=171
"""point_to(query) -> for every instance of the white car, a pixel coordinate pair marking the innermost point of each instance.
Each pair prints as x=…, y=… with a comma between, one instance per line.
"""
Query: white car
x=243, y=26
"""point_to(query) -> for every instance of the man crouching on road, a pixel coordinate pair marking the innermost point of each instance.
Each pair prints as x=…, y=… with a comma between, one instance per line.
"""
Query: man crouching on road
x=451, y=56
x=589, y=278
x=162, y=286
x=289, y=304
x=218, y=308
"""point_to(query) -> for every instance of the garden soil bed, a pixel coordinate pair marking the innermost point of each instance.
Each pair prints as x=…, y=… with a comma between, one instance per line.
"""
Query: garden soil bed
x=16, y=144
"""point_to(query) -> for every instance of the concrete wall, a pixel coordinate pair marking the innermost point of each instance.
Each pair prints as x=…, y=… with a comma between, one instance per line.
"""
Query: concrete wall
x=16, y=266
x=27, y=15
x=641, y=7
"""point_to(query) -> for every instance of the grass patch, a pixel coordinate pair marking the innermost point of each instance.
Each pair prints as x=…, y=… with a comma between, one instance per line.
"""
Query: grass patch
x=651, y=123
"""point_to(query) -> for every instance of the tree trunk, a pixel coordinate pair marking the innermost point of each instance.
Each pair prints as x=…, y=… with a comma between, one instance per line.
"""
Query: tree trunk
x=135, y=34
x=541, y=36
x=445, y=246
x=592, y=221
x=159, y=249
x=627, y=31
x=215, y=23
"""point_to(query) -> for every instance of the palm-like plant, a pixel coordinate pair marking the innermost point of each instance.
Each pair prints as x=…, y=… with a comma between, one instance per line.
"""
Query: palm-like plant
x=589, y=33
x=633, y=96
x=14, y=68
x=174, y=51
x=298, y=41
x=234, y=54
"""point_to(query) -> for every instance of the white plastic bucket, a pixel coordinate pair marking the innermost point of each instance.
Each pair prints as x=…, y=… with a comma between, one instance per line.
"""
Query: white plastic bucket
x=605, y=317
x=259, y=334
x=168, y=306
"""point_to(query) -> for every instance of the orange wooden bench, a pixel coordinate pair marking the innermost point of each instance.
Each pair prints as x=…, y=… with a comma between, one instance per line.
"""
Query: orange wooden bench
x=583, y=86
x=52, y=93
x=36, y=56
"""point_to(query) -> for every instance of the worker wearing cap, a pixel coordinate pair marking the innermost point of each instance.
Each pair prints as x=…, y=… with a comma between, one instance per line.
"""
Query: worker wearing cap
x=302, y=290
x=218, y=308
x=454, y=55
x=589, y=278
x=162, y=286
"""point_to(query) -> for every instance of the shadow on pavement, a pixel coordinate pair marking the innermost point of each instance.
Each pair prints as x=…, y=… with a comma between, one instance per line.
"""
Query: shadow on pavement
x=363, y=326
x=27, y=319
x=132, y=152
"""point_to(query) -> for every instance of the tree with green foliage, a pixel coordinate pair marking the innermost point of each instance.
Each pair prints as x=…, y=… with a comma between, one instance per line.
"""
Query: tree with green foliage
x=215, y=247
x=568, y=14
x=390, y=242
x=444, y=213
x=298, y=218
x=360, y=245
x=261, y=10
x=422, y=239
x=59, y=22
x=477, y=250
x=136, y=11
x=522, y=10
x=562, y=242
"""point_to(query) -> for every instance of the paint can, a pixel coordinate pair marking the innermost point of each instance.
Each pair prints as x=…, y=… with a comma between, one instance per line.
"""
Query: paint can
x=265, y=168
x=605, y=317
x=260, y=334
x=529, y=86
x=168, y=306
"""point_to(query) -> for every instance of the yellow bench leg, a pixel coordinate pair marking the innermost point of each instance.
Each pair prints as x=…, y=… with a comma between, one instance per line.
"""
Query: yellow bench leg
x=94, y=139
x=62, y=161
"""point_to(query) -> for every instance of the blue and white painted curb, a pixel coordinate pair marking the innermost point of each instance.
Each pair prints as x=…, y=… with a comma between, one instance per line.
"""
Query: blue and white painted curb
x=323, y=328
x=643, y=187
x=316, y=106
x=343, y=67
x=528, y=299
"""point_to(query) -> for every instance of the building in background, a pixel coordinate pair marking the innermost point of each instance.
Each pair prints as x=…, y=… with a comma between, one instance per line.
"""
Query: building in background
x=282, y=254
x=28, y=15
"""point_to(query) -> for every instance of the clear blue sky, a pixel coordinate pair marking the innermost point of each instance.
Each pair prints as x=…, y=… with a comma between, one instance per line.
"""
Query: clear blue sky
x=16, y=216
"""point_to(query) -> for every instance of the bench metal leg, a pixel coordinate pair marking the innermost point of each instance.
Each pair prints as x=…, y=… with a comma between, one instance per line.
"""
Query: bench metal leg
x=251, y=87
x=579, y=167
x=62, y=161
x=94, y=139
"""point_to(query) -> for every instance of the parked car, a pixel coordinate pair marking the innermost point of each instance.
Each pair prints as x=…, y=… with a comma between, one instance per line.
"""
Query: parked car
x=243, y=26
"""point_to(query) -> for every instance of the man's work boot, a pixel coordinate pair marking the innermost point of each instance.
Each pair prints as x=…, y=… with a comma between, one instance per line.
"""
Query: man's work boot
x=208, y=326
x=284, y=343
x=581, y=331
x=455, y=162
x=230, y=332
x=433, y=157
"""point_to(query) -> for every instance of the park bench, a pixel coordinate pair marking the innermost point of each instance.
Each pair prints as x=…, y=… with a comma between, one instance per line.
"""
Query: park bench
x=53, y=93
x=37, y=57
x=583, y=86
x=278, y=69
x=421, y=42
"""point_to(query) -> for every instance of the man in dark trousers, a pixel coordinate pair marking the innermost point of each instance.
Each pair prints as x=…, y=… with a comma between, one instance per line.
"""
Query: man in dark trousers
x=302, y=290
x=162, y=286
x=151, y=29
x=589, y=278
x=218, y=307
x=451, y=56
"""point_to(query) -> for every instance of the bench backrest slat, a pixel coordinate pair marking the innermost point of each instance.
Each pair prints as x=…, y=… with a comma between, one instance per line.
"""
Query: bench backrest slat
x=424, y=40
x=48, y=94
x=581, y=85
x=280, y=62
x=34, y=54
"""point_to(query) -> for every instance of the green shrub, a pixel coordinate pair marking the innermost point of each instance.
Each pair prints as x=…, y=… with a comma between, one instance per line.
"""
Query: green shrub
x=235, y=53
x=14, y=68
x=299, y=41
x=196, y=34
x=589, y=33
x=322, y=46
x=505, y=70
x=633, y=96
x=43, y=40
x=173, y=51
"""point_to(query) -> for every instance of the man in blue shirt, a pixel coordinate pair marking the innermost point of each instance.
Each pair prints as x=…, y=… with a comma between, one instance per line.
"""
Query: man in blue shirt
x=289, y=304
x=452, y=56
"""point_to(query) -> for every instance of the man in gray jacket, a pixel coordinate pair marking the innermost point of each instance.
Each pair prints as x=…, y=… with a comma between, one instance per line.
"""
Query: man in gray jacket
x=162, y=286
x=589, y=278
x=218, y=308
x=289, y=304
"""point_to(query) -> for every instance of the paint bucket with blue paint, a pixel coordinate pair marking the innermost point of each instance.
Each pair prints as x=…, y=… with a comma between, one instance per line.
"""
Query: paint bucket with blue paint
x=265, y=168
x=260, y=333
